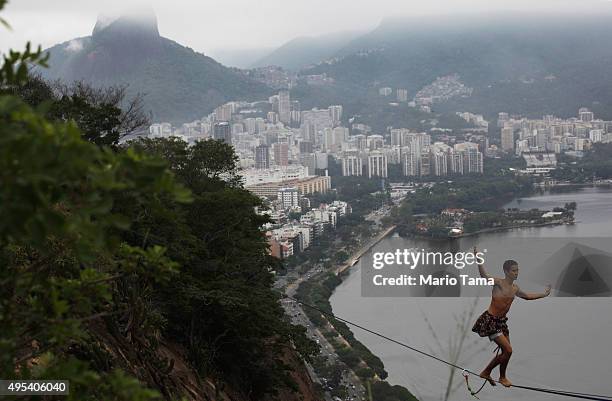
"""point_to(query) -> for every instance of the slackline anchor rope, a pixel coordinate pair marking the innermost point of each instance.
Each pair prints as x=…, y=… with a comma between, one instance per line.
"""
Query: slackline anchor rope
x=466, y=376
x=571, y=394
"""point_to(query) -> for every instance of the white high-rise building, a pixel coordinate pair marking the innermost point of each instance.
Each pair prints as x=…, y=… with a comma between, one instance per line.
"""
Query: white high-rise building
x=272, y=117
x=289, y=197
x=410, y=163
x=502, y=118
x=586, y=115
x=320, y=119
x=377, y=165
x=375, y=142
x=224, y=112
x=579, y=143
x=341, y=135
x=456, y=162
x=507, y=139
x=596, y=135
x=397, y=136
x=439, y=163
x=160, y=130
x=362, y=141
x=250, y=125
x=424, y=164
x=352, y=164
x=335, y=112
x=402, y=95
x=334, y=140
x=522, y=145
x=416, y=141
x=472, y=158
x=386, y=91
x=284, y=107
x=439, y=157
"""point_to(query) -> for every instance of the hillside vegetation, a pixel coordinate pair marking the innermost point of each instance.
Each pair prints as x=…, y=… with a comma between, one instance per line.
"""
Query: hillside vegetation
x=178, y=83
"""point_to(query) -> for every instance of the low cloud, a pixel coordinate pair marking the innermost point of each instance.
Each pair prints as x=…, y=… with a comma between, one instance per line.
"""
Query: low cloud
x=75, y=45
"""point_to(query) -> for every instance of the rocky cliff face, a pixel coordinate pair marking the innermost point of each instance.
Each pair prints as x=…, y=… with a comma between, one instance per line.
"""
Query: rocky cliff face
x=168, y=370
x=115, y=47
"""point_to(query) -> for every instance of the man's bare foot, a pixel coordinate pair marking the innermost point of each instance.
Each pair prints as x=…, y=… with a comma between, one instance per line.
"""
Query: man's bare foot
x=505, y=381
x=487, y=376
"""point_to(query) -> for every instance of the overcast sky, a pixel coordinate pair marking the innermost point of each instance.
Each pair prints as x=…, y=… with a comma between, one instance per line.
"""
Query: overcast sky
x=209, y=25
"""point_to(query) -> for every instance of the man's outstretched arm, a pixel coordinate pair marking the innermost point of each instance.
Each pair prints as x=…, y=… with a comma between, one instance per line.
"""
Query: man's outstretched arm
x=483, y=272
x=531, y=296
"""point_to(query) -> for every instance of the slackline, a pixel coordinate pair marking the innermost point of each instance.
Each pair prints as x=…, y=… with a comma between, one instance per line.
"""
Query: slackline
x=572, y=394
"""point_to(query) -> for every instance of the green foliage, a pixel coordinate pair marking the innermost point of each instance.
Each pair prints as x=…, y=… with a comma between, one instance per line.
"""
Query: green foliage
x=60, y=248
x=597, y=162
x=401, y=216
x=501, y=166
x=107, y=256
x=340, y=256
x=102, y=115
x=195, y=272
x=570, y=206
x=484, y=195
x=358, y=191
x=479, y=221
x=14, y=70
x=383, y=391
x=98, y=123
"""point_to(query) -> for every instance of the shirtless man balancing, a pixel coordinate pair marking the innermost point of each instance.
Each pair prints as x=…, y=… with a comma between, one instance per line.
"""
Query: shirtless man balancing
x=492, y=323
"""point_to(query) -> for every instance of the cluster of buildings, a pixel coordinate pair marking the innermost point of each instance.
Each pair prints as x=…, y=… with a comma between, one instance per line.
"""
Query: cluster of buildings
x=539, y=142
x=443, y=88
x=280, y=146
x=551, y=134
x=477, y=120
x=371, y=156
x=400, y=94
x=292, y=237
x=266, y=183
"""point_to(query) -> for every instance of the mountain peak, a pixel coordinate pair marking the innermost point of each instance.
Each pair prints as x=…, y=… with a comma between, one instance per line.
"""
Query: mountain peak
x=139, y=21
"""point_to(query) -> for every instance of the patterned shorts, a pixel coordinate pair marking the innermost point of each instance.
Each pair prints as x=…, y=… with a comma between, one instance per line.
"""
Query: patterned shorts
x=491, y=326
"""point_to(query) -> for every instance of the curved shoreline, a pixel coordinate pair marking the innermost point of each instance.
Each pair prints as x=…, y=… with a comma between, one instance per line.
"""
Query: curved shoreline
x=356, y=256
x=363, y=250
x=508, y=228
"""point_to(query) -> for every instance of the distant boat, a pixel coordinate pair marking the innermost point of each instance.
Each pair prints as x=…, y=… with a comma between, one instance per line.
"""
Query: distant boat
x=455, y=232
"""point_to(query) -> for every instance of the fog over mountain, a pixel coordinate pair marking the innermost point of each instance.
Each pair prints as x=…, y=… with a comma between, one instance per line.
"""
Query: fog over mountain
x=245, y=24
x=515, y=62
x=303, y=51
x=240, y=58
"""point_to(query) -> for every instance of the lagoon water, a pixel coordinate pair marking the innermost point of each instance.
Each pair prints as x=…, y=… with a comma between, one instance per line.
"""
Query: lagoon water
x=559, y=342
